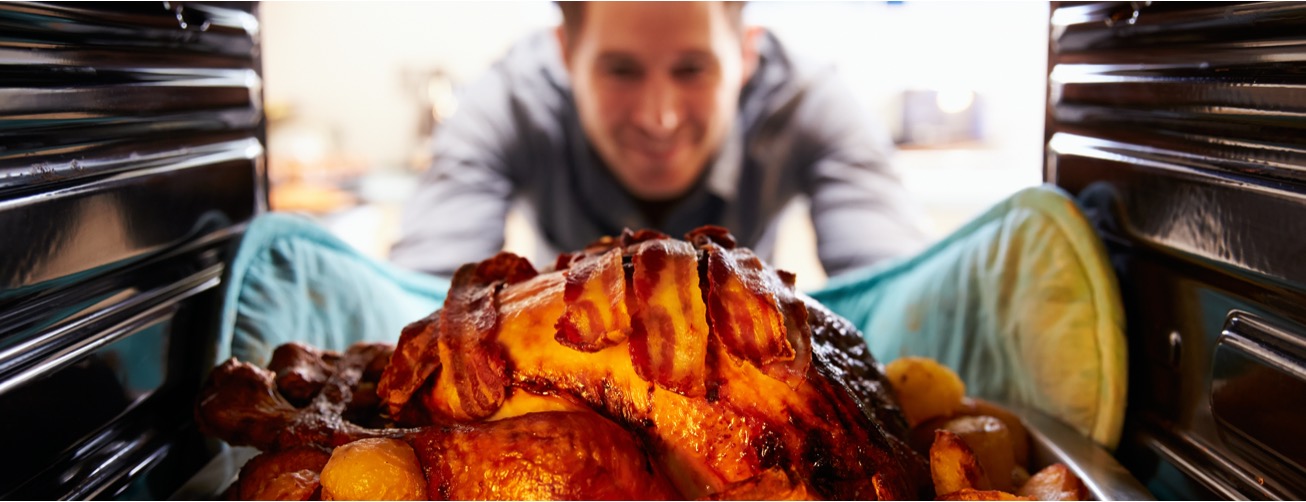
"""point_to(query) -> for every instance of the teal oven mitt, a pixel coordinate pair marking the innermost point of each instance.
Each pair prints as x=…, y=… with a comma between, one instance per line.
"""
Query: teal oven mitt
x=291, y=280
x=1021, y=302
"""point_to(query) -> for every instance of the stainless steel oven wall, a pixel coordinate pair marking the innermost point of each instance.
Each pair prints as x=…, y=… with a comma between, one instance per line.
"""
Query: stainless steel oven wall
x=1182, y=128
x=131, y=156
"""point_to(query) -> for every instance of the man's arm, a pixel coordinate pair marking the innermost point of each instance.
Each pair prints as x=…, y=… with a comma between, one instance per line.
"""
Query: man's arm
x=861, y=212
x=457, y=214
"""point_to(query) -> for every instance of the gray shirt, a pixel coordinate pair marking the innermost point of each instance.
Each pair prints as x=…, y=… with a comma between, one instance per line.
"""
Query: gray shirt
x=516, y=136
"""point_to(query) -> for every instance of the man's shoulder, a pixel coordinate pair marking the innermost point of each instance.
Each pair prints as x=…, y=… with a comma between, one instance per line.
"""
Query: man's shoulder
x=785, y=66
x=534, y=63
x=786, y=77
x=526, y=92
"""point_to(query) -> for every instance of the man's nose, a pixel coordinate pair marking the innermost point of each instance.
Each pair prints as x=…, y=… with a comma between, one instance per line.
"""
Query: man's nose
x=658, y=112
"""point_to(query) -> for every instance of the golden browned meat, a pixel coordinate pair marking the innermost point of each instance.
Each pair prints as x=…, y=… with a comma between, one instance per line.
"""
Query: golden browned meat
x=567, y=454
x=243, y=405
x=548, y=455
x=688, y=369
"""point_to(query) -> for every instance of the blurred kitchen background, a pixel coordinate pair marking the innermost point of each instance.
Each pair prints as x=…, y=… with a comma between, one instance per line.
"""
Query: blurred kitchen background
x=354, y=89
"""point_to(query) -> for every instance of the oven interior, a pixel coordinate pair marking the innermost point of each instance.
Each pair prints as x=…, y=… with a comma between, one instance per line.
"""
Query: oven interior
x=131, y=158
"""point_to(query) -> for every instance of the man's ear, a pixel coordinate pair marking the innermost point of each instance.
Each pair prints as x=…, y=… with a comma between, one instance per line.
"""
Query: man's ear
x=560, y=32
x=752, y=36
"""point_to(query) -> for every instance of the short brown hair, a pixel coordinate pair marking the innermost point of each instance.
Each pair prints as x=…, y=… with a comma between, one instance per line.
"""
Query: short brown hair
x=573, y=13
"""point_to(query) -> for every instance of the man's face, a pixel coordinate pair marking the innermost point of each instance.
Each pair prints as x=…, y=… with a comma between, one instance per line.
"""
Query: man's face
x=657, y=88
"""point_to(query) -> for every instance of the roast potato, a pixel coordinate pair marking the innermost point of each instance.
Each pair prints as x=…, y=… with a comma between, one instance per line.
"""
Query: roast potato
x=991, y=442
x=373, y=468
x=953, y=465
x=977, y=450
x=1015, y=426
x=925, y=388
x=1054, y=482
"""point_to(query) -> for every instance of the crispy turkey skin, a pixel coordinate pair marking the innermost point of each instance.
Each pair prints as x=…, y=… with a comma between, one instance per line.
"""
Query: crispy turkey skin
x=689, y=368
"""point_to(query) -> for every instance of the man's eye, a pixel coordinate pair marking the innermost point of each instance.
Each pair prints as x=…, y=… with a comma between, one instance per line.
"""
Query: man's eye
x=686, y=72
x=623, y=71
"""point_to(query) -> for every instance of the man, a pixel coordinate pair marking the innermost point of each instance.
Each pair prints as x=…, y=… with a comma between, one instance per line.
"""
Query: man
x=656, y=115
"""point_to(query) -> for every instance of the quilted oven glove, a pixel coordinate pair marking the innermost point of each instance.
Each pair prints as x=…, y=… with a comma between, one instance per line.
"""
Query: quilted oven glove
x=291, y=280
x=1021, y=302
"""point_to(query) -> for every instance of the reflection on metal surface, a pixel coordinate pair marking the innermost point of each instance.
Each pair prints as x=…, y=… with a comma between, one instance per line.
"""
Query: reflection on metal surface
x=1171, y=413
x=146, y=91
x=121, y=217
x=1052, y=441
x=1176, y=349
x=85, y=83
x=1258, y=388
x=108, y=157
x=1180, y=128
x=122, y=373
x=131, y=154
x=1095, y=27
x=217, y=475
x=1175, y=200
x=1208, y=468
x=147, y=25
x=1222, y=83
x=31, y=323
x=103, y=381
x=26, y=362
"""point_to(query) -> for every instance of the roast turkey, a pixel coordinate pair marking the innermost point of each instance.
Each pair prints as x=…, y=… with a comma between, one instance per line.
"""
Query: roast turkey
x=641, y=367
